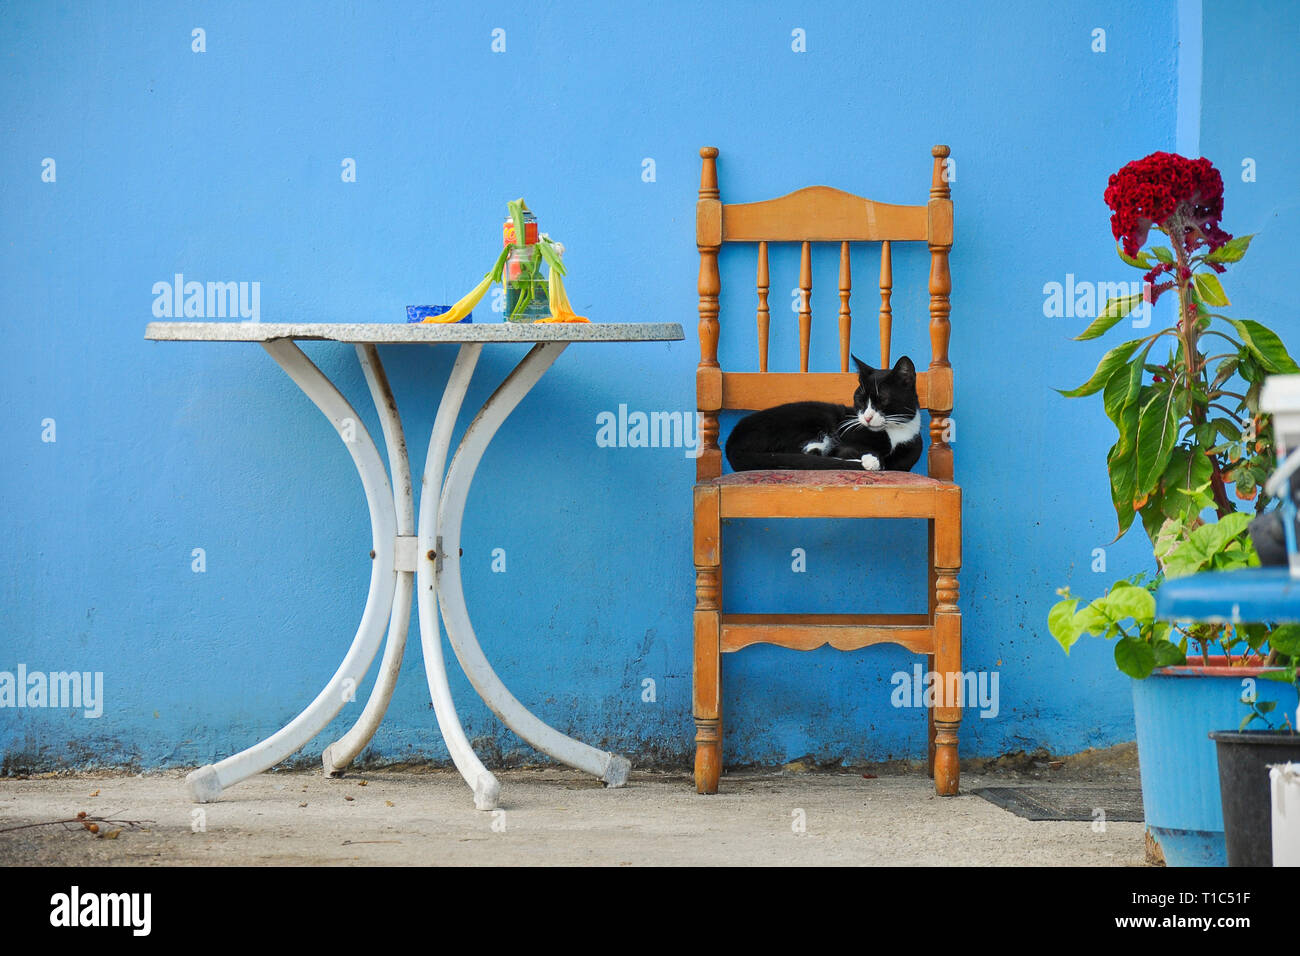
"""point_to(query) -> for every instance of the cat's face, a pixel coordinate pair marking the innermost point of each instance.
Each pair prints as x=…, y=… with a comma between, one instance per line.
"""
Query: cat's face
x=885, y=396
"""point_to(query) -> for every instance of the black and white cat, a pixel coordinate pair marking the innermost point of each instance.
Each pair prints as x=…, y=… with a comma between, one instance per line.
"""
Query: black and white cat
x=881, y=432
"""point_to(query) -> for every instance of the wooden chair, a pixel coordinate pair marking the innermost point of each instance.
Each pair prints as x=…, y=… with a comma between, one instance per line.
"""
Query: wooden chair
x=822, y=214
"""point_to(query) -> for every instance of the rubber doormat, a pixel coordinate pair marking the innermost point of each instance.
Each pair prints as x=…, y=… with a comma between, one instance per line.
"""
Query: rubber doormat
x=1121, y=804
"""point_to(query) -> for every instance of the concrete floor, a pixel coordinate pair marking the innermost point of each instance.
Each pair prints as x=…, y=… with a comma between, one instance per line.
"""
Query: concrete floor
x=426, y=817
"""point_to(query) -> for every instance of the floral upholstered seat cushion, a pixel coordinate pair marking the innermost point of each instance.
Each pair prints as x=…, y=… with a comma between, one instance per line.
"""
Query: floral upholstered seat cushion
x=821, y=478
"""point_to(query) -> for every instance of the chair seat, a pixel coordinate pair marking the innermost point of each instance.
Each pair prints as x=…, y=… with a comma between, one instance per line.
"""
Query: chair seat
x=823, y=479
x=830, y=494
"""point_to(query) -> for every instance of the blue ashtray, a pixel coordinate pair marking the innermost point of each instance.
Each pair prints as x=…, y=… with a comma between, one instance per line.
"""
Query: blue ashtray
x=418, y=313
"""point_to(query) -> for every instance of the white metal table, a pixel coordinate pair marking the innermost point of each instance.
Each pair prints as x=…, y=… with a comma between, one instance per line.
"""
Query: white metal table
x=407, y=556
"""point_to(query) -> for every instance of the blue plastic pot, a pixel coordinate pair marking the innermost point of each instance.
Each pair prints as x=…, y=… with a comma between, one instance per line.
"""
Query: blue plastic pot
x=1175, y=709
x=418, y=313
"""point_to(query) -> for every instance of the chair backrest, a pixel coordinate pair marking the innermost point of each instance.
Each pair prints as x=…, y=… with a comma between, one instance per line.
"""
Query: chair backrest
x=820, y=214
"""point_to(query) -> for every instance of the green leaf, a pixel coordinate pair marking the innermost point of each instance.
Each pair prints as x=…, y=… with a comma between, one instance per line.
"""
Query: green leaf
x=1171, y=534
x=1246, y=721
x=1141, y=261
x=1264, y=345
x=1285, y=639
x=1153, y=514
x=1205, y=544
x=1285, y=676
x=1112, y=360
x=1163, y=254
x=1060, y=622
x=1186, y=484
x=1253, y=635
x=1092, y=621
x=1227, y=368
x=1115, y=394
x=547, y=249
x=498, y=268
x=1188, y=472
x=1067, y=625
x=1135, y=658
x=1227, y=428
x=1135, y=368
x=1209, y=289
x=1156, y=435
x=1231, y=251
x=516, y=209
x=1121, y=407
x=1265, y=706
x=1168, y=654
x=1252, y=396
x=1114, y=310
x=1124, y=602
x=1122, y=468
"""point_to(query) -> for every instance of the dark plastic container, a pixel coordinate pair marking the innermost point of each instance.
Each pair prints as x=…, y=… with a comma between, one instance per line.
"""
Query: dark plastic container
x=1244, y=758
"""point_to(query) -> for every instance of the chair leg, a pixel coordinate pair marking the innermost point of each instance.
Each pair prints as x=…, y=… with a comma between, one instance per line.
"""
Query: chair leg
x=933, y=563
x=707, y=702
x=946, y=716
x=929, y=737
x=708, y=755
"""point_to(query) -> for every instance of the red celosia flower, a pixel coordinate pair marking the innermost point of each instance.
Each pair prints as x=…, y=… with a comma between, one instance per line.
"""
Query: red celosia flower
x=1180, y=195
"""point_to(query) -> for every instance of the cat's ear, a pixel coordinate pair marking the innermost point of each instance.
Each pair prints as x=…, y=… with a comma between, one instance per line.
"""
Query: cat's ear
x=863, y=368
x=904, y=370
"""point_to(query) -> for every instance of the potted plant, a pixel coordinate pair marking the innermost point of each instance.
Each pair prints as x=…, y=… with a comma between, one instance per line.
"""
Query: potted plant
x=1189, y=428
x=1244, y=758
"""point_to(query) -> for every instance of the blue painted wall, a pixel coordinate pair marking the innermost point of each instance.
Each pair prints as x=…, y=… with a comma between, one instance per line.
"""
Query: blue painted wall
x=225, y=165
x=1250, y=76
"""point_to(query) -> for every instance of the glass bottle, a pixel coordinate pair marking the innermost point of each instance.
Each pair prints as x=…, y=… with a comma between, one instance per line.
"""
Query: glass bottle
x=523, y=279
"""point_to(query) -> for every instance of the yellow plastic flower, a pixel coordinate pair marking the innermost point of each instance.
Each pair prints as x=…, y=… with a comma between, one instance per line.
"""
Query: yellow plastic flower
x=466, y=304
x=561, y=310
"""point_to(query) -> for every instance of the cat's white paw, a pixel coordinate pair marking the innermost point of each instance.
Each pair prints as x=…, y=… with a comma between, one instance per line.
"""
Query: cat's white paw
x=822, y=447
x=870, y=463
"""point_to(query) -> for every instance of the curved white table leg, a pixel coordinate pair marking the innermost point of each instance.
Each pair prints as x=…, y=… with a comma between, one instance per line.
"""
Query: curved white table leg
x=207, y=782
x=338, y=755
x=611, y=768
x=486, y=788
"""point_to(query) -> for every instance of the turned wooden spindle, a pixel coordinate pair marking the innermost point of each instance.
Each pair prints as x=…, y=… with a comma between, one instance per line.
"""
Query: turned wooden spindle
x=708, y=754
x=946, y=590
x=947, y=767
x=939, y=461
x=764, y=316
x=945, y=716
x=706, y=691
x=938, y=176
x=929, y=728
x=939, y=240
x=709, y=464
x=945, y=658
x=708, y=588
x=710, y=284
x=805, y=304
x=886, y=310
x=846, y=317
x=708, y=239
x=932, y=560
